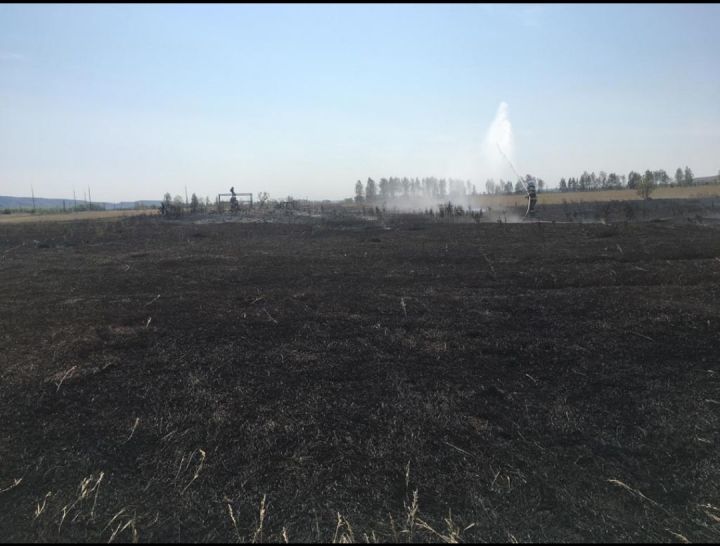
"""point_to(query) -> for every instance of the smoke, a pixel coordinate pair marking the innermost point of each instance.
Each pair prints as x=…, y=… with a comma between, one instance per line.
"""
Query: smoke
x=499, y=134
x=497, y=150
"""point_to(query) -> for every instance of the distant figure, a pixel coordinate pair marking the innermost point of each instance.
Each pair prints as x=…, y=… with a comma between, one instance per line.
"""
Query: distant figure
x=162, y=209
x=234, y=207
x=532, y=197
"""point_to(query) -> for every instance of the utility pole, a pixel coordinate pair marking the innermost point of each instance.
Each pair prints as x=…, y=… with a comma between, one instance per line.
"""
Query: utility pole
x=32, y=191
x=74, y=201
x=89, y=198
x=186, y=199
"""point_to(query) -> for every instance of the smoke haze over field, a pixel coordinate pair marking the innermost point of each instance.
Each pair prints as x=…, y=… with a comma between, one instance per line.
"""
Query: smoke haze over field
x=138, y=100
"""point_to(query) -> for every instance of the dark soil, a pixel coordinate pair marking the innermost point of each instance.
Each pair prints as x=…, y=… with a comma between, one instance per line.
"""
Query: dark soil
x=532, y=382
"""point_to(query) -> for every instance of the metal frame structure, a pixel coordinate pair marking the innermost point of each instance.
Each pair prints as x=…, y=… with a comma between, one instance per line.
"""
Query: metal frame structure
x=221, y=195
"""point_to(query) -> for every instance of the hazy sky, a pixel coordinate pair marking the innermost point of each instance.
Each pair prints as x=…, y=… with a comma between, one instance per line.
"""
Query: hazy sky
x=138, y=100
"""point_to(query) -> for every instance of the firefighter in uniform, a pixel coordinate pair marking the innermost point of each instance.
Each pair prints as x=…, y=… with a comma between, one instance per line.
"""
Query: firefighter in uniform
x=532, y=197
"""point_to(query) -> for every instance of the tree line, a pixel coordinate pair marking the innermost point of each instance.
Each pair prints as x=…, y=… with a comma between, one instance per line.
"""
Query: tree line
x=388, y=189
x=178, y=204
x=633, y=181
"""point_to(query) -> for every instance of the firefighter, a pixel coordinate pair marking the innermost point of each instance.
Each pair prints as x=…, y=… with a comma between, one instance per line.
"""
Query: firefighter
x=532, y=197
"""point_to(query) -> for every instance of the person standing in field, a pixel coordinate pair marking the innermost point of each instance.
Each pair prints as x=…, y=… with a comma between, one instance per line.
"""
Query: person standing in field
x=233, y=200
x=532, y=197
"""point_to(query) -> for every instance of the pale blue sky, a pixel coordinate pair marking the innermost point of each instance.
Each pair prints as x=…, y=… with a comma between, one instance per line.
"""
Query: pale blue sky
x=136, y=100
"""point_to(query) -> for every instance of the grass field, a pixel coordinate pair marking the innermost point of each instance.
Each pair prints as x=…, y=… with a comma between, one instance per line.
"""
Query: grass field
x=22, y=217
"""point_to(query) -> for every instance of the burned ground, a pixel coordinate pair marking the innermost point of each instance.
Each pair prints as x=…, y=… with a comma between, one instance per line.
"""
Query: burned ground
x=536, y=382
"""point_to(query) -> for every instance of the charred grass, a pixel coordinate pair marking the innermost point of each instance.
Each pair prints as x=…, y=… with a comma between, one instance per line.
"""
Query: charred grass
x=336, y=382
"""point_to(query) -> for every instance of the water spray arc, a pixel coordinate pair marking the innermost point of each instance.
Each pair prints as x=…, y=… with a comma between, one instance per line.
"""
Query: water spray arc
x=512, y=167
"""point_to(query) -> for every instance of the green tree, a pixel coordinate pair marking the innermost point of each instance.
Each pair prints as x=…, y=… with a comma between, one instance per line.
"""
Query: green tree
x=646, y=185
x=592, y=181
x=633, y=180
x=490, y=186
x=194, y=203
x=563, y=185
x=584, y=183
x=167, y=199
x=358, y=192
x=679, y=176
x=370, y=191
x=688, y=177
x=602, y=180
x=384, y=189
x=661, y=177
x=613, y=181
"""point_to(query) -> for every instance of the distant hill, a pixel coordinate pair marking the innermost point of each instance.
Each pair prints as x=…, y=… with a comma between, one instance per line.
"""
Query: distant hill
x=7, y=202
